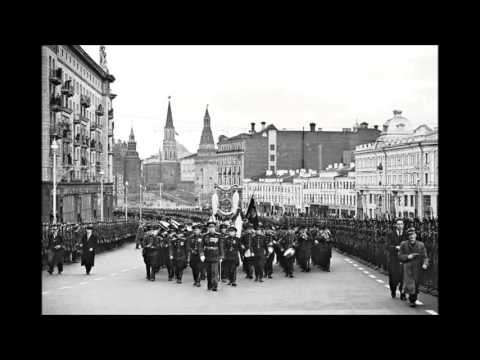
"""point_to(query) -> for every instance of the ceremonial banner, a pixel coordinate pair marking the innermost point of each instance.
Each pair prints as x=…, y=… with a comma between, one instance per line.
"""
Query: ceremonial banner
x=226, y=202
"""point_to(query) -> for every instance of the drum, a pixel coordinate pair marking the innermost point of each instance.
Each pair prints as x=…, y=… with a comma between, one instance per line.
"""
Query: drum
x=289, y=253
x=248, y=253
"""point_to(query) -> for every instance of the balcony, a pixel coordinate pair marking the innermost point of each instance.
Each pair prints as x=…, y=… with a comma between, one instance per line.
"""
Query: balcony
x=55, y=130
x=112, y=96
x=93, y=126
x=77, y=141
x=85, y=101
x=110, y=132
x=79, y=118
x=92, y=144
x=66, y=109
x=56, y=103
x=99, y=111
x=110, y=152
x=56, y=76
x=110, y=114
x=67, y=89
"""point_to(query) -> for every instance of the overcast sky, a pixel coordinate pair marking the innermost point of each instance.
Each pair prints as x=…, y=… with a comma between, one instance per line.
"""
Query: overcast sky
x=289, y=86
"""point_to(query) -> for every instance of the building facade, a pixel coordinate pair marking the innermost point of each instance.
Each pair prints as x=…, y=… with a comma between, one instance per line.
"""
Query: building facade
x=398, y=174
x=251, y=154
x=77, y=113
x=187, y=168
x=205, y=165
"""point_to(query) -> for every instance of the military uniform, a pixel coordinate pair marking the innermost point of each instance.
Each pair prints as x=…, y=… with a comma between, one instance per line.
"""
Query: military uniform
x=56, y=252
x=395, y=268
x=151, y=249
x=270, y=236
x=180, y=255
x=196, y=256
x=139, y=237
x=304, y=251
x=213, y=248
x=247, y=252
x=231, y=245
x=259, y=248
x=165, y=252
x=223, y=236
x=324, y=249
x=285, y=243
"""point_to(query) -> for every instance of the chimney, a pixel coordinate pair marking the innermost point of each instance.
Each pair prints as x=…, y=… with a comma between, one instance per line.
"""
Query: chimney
x=312, y=127
x=375, y=127
x=319, y=129
x=253, y=127
x=397, y=112
x=263, y=125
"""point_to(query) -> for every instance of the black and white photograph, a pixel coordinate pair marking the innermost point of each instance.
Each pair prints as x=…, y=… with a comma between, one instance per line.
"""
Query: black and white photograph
x=239, y=179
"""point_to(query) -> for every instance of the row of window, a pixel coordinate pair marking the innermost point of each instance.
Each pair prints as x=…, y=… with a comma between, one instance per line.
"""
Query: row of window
x=66, y=56
x=405, y=179
x=331, y=199
x=394, y=161
x=231, y=147
x=330, y=185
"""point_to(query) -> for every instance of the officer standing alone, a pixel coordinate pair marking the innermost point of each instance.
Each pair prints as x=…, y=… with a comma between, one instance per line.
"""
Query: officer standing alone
x=231, y=246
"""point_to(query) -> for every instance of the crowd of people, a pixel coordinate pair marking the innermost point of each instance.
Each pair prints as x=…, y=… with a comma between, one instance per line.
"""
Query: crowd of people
x=214, y=252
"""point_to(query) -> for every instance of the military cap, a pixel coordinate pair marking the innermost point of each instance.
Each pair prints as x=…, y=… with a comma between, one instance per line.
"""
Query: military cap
x=89, y=227
x=249, y=226
x=211, y=222
x=411, y=230
x=181, y=234
x=232, y=228
x=196, y=226
x=223, y=226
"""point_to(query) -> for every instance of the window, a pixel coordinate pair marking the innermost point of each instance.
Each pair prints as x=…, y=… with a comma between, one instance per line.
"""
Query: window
x=426, y=179
x=370, y=198
x=272, y=147
x=412, y=199
x=405, y=200
x=272, y=157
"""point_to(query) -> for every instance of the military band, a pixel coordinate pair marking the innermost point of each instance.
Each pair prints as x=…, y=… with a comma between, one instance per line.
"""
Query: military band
x=215, y=256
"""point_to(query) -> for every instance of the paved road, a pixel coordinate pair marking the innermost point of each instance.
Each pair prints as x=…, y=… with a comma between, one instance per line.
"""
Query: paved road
x=117, y=285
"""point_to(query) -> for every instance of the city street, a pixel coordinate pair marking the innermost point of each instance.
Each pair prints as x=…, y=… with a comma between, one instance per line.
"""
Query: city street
x=117, y=285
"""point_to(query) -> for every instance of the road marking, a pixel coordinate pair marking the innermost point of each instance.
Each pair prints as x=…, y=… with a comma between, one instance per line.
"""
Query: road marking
x=431, y=312
x=98, y=279
x=372, y=276
x=83, y=283
x=65, y=287
x=387, y=286
x=44, y=292
x=347, y=259
x=125, y=270
x=355, y=265
x=360, y=268
x=114, y=274
x=366, y=272
x=418, y=302
x=380, y=281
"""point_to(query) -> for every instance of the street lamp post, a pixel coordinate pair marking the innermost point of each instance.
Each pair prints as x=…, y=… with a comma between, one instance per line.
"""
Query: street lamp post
x=54, y=150
x=101, y=195
x=126, y=200
x=141, y=202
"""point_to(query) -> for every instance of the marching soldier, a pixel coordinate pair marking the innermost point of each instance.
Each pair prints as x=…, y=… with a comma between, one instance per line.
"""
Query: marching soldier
x=413, y=255
x=139, y=237
x=56, y=251
x=259, y=249
x=213, y=248
x=324, y=248
x=151, y=248
x=287, y=248
x=166, y=243
x=179, y=255
x=197, y=255
x=395, y=268
x=231, y=247
x=89, y=244
x=247, y=255
x=223, y=235
x=304, y=250
x=271, y=242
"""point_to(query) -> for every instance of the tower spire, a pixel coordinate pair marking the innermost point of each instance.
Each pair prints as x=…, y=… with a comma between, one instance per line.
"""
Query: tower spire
x=169, y=122
x=206, y=140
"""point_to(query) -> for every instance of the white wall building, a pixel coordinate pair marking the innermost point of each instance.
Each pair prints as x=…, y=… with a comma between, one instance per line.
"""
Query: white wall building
x=398, y=174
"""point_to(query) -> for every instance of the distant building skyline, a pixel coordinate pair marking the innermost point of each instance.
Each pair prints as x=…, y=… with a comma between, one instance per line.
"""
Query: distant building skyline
x=289, y=86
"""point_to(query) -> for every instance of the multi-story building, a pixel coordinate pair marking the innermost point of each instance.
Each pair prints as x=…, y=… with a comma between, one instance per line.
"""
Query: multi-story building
x=398, y=174
x=205, y=165
x=247, y=155
x=77, y=113
x=119, y=151
x=151, y=172
x=329, y=192
x=132, y=168
x=187, y=173
x=274, y=193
